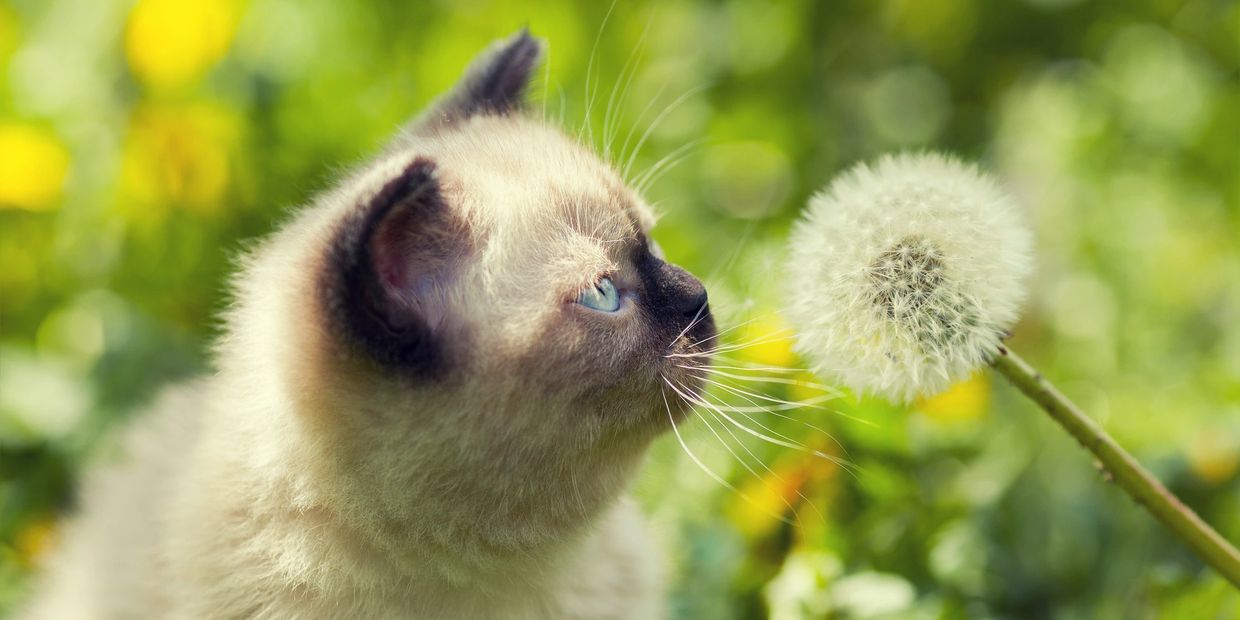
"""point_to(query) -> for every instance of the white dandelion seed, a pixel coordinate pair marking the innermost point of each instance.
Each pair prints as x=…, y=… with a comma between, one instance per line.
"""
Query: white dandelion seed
x=905, y=275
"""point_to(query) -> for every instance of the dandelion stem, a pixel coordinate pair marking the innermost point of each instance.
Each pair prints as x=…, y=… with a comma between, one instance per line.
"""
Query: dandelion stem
x=1124, y=470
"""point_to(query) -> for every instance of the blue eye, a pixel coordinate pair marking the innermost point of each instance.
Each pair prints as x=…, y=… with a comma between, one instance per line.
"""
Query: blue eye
x=602, y=296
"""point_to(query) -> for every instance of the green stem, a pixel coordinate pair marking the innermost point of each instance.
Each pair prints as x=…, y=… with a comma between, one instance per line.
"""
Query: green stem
x=1124, y=470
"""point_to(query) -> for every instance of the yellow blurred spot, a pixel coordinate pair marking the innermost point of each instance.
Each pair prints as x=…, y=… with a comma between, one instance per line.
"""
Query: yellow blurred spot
x=765, y=500
x=171, y=42
x=783, y=493
x=34, y=541
x=178, y=155
x=766, y=340
x=964, y=401
x=33, y=166
x=1214, y=457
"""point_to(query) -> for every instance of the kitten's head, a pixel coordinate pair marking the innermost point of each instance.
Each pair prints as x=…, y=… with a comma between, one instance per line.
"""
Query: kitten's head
x=493, y=279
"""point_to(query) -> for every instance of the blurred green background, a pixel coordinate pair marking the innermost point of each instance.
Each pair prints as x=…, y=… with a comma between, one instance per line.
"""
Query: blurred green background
x=143, y=143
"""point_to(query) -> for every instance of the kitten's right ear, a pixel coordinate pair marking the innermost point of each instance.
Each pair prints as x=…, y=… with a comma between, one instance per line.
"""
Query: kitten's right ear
x=494, y=83
x=389, y=270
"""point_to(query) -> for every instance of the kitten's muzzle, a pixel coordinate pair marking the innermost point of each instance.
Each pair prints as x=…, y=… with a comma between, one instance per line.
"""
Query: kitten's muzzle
x=687, y=307
x=676, y=303
x=691, y=303
x=671, y=293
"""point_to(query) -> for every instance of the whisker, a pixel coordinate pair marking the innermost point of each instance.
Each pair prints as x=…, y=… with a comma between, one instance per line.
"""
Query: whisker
x=742, y=392
x=723, y=332
x=647, y=184
x=696, y=319
x=742, y=461
x=685, y=446
x=572, y=478
x=614, y=104
x=746, y=396
x=782, y=440
x=588, y=126
x=721, y=347
x=736, y=251
x=790, y=405
x=563, y=106
x=813, y=427
x=546, y=82
x=644, y=180
x=780, y=380
x=757, y=368
x=633, y=128
x=787, y=441
x=749, y=395
x=697, y=461
x=628, y=166
x=809, y=403
x=835, y=393
x=842, y=463
x=778, y=477
x=792, y=509
x=734, y=347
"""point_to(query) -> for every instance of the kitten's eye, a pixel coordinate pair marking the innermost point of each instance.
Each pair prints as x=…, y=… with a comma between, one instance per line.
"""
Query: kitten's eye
x=602, y=297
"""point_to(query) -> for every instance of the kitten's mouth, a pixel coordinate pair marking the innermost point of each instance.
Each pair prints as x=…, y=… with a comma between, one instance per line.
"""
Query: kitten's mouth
x=687, y=362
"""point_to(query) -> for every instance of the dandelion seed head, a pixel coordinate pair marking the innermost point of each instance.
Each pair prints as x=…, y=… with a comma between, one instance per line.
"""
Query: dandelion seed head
x=904, y=275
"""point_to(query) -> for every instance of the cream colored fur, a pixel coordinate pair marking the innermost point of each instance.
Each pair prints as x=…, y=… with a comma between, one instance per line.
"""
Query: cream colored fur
x=301, y=482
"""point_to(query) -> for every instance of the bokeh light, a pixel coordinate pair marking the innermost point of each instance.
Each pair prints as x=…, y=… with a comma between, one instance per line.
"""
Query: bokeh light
x=171, y=42
x=33, y=167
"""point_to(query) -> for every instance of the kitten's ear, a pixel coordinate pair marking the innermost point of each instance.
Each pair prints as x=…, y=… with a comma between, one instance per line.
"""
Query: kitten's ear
x=389, y=271
x=494, y=83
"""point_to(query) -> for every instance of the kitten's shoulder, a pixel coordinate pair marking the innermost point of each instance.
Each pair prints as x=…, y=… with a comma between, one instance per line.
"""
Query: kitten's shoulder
x=117, y=521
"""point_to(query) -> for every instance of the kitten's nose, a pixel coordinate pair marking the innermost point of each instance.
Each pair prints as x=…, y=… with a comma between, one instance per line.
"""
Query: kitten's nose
x=693, y=302
x=672, y=292
x=685, y=293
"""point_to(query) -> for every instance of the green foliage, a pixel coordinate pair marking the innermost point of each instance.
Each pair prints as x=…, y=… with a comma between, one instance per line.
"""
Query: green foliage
x=142, y=144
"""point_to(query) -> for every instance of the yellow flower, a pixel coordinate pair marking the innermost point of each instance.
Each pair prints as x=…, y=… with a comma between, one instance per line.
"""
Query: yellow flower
x=178, y=155
x=771, y=339
x=766, y=500
x=784, y=492
x=34, y=540
x=964, y=401
x=1215, y=456
x=172, y=42
x=33, y=166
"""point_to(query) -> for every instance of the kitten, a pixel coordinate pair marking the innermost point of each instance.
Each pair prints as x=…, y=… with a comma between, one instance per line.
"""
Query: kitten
x=435, y=385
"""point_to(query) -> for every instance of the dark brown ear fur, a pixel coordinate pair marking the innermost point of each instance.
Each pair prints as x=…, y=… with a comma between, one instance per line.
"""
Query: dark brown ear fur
x=389, y=269
x=495, y=83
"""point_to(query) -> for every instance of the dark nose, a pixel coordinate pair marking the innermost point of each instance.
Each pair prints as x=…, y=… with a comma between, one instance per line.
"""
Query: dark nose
x=693, y=302
x=681, y=293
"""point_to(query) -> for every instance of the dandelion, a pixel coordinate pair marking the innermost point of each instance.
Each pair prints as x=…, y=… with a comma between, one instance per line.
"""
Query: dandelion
x=905, y=275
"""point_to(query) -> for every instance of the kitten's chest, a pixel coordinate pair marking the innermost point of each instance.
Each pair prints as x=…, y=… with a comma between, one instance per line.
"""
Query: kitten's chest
x=609, y=574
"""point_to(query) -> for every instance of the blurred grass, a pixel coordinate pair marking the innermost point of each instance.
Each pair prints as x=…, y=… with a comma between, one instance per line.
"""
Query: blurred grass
x=142, y=142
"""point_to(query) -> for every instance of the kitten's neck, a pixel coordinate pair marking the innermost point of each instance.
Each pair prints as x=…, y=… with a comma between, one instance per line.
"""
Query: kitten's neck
x=445, y=520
